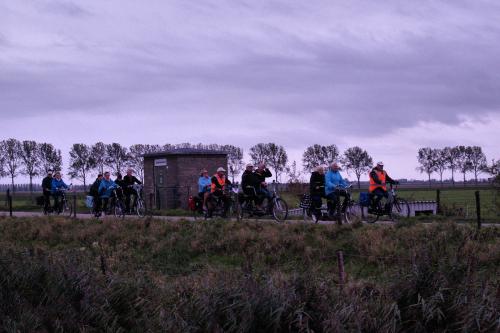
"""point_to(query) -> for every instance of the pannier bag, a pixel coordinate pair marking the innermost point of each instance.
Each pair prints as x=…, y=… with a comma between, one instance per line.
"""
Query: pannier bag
x=305, y=201
x=89, y=201
x=364, y=199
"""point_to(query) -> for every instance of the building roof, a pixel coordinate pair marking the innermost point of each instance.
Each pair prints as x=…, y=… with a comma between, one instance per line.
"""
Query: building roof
x=186, y=151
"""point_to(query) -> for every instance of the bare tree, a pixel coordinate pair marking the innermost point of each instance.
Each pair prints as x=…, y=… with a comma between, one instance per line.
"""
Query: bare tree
x=98, y=152
x=477, y=160
x=136, y=157
x=258, y=153
x=294, y=173
x=464, y=162
x=10, y=150
x=441, y=162
x=427, y=159
x=30, y=154
x=81, y=162
x=451, y=156
x=357, y=160
x=234, y=159
x=277, y=159
x=116, y=156
x=50, y=158
x=317, y=155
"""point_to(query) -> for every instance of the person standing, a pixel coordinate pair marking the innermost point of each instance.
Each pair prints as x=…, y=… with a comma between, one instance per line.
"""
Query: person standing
x=47, y=189
x=94, y=192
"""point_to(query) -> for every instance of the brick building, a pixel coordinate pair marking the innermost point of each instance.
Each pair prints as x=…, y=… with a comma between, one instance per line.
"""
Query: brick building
x=171, y=176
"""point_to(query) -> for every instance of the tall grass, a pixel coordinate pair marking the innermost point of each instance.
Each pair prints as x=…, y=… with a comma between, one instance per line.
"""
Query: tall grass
x=157, y=276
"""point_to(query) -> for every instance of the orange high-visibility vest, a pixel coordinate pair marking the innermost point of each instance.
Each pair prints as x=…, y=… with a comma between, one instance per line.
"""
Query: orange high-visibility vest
x=220, y=180
x=381, y=176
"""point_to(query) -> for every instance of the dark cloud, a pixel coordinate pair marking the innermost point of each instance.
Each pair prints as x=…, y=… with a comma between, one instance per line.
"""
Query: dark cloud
x=330, y=69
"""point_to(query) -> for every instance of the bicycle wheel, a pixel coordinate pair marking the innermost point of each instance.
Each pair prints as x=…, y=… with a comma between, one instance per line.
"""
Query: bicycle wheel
x=372, y=215
x=400, y=209
x=140, y=208
x=280, y=210
x=119, y=209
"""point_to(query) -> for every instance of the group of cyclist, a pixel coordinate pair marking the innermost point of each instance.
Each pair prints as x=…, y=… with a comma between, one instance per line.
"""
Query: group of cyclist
x=102, y=190
x=213, y=189
x=332, y=186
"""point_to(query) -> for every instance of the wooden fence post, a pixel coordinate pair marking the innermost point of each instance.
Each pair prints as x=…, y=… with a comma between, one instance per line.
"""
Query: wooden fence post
x=478, y=209
x=9, y=202
x=438, y=201
x=340, y=260
x=74, y=205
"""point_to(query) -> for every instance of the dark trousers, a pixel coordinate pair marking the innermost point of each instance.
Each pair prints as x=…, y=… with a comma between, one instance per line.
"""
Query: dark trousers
x=101, y=204
x=128, y=193
x=332, y=200
x=316, y=203
x=46, y=201
x=216, y=196
x=377, y=195
x=57, y=202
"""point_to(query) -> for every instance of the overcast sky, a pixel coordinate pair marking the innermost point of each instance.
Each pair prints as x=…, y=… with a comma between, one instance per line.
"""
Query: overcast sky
x=388, y=76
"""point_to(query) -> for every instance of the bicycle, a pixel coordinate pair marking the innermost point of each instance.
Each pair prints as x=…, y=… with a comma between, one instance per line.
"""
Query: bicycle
x=275, y=207
x=139, y=207
x=61, y=205
x=393, y=206
x=116, y=204
x=344, y=209
x=231, y=192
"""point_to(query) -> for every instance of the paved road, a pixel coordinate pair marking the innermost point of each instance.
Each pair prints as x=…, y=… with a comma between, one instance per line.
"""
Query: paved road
x=189, y=218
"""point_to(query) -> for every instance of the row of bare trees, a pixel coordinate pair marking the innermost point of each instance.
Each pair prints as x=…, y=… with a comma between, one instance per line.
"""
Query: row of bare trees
x=28, y=158
x=463, y=159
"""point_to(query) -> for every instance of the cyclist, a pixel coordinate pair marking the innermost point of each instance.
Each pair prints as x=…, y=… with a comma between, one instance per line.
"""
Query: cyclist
x=128, y=181
x=94, y=192
x=57, y=185
x=317, y=187
x=47, y=188
x=204, y=187
x=334, y=180
x=378, y=184
x=218, y=185
x=261, y=174
x=250, y=183
x=105, y=191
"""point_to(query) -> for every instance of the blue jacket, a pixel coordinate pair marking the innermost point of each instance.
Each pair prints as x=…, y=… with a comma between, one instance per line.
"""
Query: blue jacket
x=106, y=187
x=332, y=179
x=203, y=182
x=58, y=184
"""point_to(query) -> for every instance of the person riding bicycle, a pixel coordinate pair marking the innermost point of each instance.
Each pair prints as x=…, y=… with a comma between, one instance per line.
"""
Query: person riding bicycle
x=94, y=192
x=204, y=187
x=378, y=185
x=105, y=192
x=57, y=186
x=250, y=183
x=262, y=173
x=333, y=187
x=317, y=187
x=128, y=181
x=47, y=189
x=217, y=187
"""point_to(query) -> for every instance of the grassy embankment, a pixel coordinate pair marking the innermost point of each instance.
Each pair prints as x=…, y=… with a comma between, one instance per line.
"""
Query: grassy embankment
x=149, y=275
